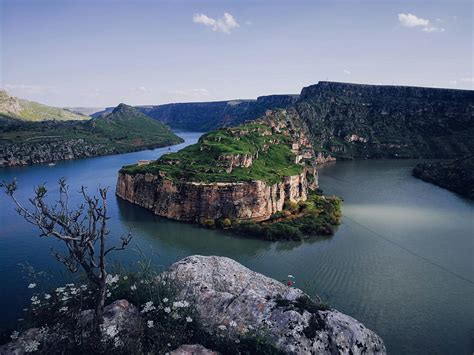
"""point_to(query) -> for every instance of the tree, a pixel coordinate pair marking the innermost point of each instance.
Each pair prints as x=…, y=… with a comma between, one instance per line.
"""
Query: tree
x=82, y=230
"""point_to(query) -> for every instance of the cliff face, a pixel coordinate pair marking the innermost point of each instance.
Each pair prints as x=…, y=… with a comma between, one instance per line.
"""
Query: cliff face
x=244, y=173
x=206, y=116
x=456, y=175
x=196, y=202
x=372, y=121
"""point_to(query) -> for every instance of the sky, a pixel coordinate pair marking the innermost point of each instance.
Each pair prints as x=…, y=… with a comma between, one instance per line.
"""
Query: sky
x=84, y=53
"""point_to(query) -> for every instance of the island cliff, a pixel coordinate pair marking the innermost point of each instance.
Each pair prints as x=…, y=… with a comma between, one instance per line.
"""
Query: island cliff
x=251, y=172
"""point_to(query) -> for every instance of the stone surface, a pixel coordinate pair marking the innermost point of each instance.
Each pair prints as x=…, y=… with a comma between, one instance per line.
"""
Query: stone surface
x=194, y=349
x=230, y=297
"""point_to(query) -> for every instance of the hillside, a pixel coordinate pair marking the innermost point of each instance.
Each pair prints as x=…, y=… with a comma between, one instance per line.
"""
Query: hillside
x=124, y=130
x=373, y=121
x=456, y=175
x=15, y=108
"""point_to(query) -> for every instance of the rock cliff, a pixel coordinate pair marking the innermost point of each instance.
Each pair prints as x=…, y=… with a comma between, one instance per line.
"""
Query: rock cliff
x=245, y=173
x=456, y=175
x=381, y=121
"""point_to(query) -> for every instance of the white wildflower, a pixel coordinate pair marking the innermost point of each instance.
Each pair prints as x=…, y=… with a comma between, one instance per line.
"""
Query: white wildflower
x=74, y=291
x=60, y=290
x=69, y=285
x=109, y=280
x=189, y=319
x=168, y=310
x=148, y=307
x=150, y=324
x=237, y=341
x=32, y=285
x=125, y=278
x=35, y=300
x=31, y=346
x=47, y=296
x=63, y=309
x=222, y=327
x=232, y=323
x=291, y=277
x=118, y=342
x=180, y=304
x=163, y=283
x=165, y=300
x=109, y=294
x=15, y=335
x=111, y=331
x=133, y=287
x=83, y=287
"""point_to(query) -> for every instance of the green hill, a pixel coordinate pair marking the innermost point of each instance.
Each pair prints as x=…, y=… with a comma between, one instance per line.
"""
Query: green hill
x=14, y=108
x=123, y=130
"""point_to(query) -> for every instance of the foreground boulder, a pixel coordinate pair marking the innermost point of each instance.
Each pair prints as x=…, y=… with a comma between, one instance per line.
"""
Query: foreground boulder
x=233, y=299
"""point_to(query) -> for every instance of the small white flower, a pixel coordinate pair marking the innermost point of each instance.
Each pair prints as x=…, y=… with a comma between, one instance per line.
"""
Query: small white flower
x=133, y=287
x=109, y=294
x=175, y=316
x=125, y=278
x=232, y=323
x=222, y=327
x=15, y=335
x=189, y=319
x=163, y=283
x=237, y=341
x=35, y=300
x=69, y=285
x=150, y=324
x=83, y=287
x=32, y=285
x=168, y=310
x=165, y=300
x=111, y=331
x=31, y=346
x=60, y=289
x=109, y=280
x=291, y=277
x=63, y=309
x=47, y=296
x=148, y=307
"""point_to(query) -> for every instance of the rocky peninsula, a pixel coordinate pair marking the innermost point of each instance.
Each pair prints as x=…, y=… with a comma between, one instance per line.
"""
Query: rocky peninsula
x=261, y=171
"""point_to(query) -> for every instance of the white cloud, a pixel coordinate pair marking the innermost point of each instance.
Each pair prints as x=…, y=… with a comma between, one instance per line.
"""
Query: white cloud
x=224, y=24
x=193, y=94
x=347, y=72
x=453, y=82
x=467, y=80
x=30, y=89
x=411, y=21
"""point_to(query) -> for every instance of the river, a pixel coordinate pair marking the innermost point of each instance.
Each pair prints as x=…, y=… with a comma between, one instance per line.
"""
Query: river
x=402, y=261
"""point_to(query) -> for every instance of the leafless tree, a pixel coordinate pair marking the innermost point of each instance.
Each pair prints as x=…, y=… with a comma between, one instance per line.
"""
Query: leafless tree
x=83, y=231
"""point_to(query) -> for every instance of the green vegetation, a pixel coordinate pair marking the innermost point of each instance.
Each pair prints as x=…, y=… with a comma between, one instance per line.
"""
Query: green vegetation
x=12, y=107
x=205, y=161
x=123, y=130
x=318, y=215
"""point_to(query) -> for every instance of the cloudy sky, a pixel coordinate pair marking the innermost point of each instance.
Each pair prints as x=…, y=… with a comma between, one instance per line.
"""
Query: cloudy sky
x=102, y=52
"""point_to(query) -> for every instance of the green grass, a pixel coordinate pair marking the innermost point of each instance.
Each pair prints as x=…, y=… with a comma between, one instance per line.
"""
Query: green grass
x=199, y=162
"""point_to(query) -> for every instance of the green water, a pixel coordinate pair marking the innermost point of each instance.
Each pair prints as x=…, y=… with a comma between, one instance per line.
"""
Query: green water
x=402, y=261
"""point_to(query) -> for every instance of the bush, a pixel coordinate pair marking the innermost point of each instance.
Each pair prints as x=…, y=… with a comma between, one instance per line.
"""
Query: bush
x=208, y=223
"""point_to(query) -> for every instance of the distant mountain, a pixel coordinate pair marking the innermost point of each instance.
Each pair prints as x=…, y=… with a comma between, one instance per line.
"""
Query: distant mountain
x=87, y=111
x=124, y=130
x=206, y=116
x=14, y=108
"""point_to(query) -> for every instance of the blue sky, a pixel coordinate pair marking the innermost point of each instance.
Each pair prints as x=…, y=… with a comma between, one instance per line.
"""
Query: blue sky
x=99, y=53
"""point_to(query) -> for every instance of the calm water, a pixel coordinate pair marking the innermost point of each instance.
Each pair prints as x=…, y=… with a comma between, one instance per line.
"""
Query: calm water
x=402, y=261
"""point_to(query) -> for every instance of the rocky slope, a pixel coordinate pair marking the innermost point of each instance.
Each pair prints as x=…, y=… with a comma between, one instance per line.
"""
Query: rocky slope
x=231, y=302
x=456, y=175
x=13, y=107
x=373, y=121
x=248, y=172
x=123, y=130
